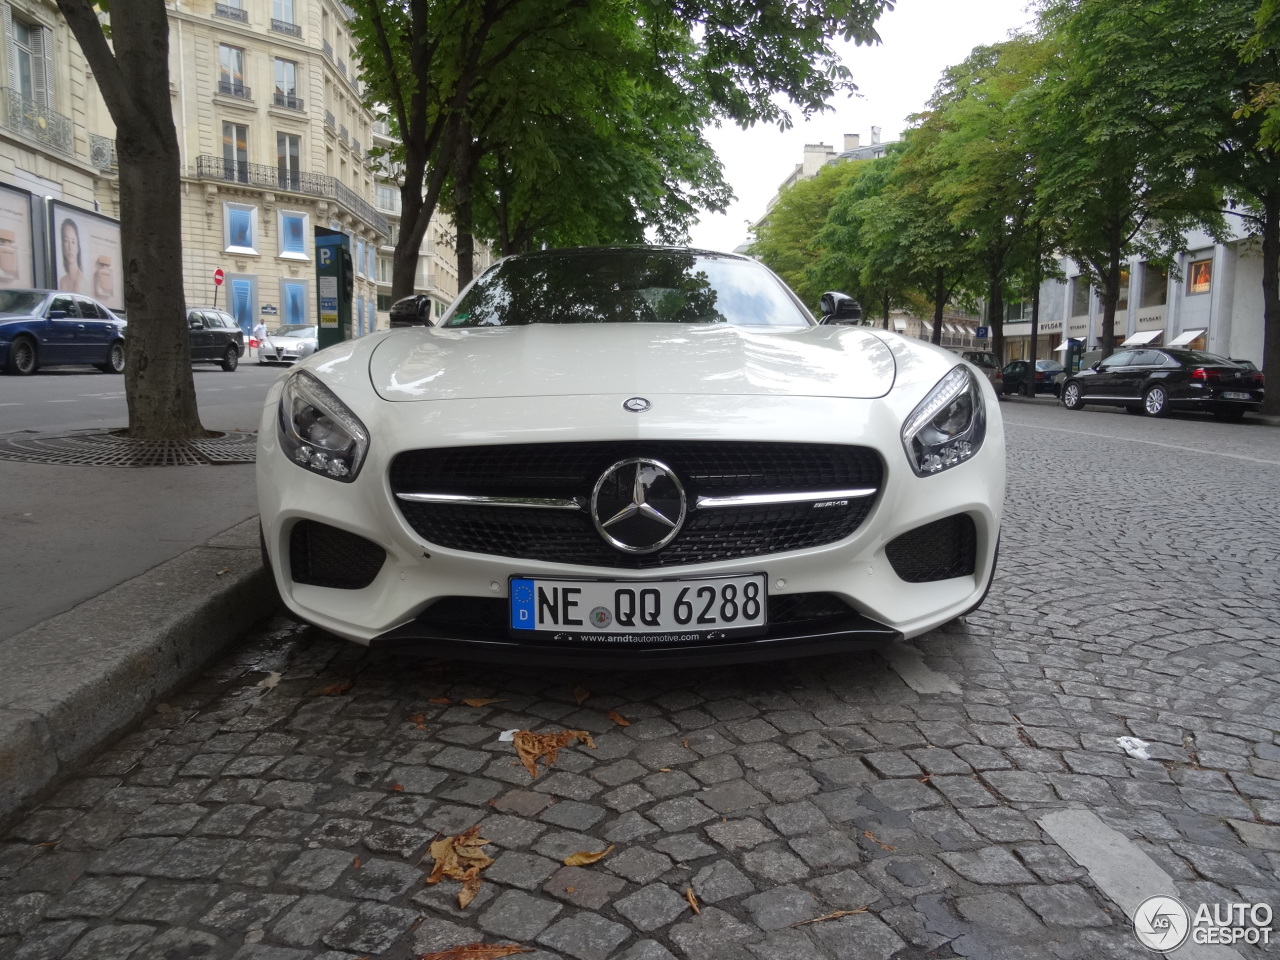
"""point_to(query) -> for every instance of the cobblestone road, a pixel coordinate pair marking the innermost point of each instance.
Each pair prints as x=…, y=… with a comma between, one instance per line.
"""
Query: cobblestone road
x=1137, y=597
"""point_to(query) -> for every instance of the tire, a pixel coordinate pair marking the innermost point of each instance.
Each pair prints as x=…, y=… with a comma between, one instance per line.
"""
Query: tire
x=231, y=359
x=115, y=359
x=1071, y=398
x=1155, y=401
x=24, y=360
x=1230, y=415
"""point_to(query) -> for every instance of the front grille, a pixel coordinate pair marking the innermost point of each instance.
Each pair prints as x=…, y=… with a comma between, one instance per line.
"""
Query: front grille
x=324, y=556
x=940, y=550
x=706, y=468
x=490, y=614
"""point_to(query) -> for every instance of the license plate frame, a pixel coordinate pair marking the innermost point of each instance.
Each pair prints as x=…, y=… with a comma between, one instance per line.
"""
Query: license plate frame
x=1236, y=395
x=648, y=625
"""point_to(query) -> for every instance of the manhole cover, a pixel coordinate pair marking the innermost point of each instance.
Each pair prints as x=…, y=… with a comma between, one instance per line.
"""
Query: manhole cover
x=102, y=448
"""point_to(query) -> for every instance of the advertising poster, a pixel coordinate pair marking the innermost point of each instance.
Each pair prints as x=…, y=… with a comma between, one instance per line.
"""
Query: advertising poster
x=87, y=256
x=16, y=245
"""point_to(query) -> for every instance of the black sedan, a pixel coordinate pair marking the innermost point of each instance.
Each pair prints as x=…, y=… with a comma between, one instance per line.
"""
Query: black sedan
x=1156, y=380
x=215, y=337
x=45, y=328
x=1015, y=373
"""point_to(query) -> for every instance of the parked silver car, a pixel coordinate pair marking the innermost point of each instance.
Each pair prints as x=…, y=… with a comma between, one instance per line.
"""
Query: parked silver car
x=289, y=343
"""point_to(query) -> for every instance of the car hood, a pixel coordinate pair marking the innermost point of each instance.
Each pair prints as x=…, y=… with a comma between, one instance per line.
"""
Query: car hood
x=540, y=360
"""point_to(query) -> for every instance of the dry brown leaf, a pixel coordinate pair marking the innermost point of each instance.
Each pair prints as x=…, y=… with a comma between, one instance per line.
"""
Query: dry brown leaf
x=874, y=839
x=398, y=788
x=581, y=693
x=480, y=702
x=444, y=700
x=531, y=746
x=419, y=720
x=583, y=858
x=335, y=689
x=460, y=858
x=618, y=718
x=692, y=898
x=355, y=864
x=54, y=843
x=831, y=916
x=685, y=743
x=222, y=571
x=476, y=951
x=470, y=887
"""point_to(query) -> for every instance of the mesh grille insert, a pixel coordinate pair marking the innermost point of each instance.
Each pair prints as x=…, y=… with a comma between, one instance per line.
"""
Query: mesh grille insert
x=940, y=550
x=324, y=556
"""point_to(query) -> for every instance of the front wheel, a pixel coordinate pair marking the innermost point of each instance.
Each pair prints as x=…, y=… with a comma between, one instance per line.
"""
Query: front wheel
x=115, y=359
x=1155, y=402
x=1071, y=398
x=22, y=357
x=231, y=359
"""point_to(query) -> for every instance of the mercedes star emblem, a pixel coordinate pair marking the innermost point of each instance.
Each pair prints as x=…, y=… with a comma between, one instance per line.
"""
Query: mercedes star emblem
x=638, y=505
x=636, y=405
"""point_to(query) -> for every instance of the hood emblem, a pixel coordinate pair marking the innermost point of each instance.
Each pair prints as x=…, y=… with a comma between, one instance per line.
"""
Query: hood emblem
x=638, y=505
x=636, y=405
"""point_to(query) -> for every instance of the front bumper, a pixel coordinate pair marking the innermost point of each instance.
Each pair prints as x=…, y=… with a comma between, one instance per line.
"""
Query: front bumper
x=415, y=574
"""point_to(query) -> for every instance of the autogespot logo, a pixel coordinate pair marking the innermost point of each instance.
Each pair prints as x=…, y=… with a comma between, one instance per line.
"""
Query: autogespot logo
x=1162, y=923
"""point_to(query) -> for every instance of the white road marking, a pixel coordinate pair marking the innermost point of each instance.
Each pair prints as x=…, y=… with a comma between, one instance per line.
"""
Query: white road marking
x=70, y=400
x=1152, y=443
x=1121, y=870
x=908, y=662
x=10, y=404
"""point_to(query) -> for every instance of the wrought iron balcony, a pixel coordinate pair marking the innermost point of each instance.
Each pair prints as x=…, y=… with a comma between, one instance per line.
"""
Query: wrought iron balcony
x=34, y=122
x=355, y=148
x=329, y=120
x=287, y=28
x=288, y=100
x=233, y=88
x=382, y=128
x=277, y=178
x=342, y=66
x=102, y=152
x=342, y=133
x=231, y=12
x=327, y=47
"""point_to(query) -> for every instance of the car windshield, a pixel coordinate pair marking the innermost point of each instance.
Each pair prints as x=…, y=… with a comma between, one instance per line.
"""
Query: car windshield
x=981, y=359
x=294, y=330
x=20, y=303
x=627, y=286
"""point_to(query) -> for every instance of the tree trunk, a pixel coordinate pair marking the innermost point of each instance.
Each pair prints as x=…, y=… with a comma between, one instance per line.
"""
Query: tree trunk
x=1029, y=381
x=884, y=302
x=939, y=301
x=1109, y=301
x=995, y=316
x=464, y=170
x=1271, y=301
x=134, y=81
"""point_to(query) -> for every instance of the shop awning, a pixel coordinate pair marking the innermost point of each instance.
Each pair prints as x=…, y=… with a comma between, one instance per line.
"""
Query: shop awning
x=953, y=329
x=1143, y=336
x=899, y=324
x=1064, y=345
x=1185, y=337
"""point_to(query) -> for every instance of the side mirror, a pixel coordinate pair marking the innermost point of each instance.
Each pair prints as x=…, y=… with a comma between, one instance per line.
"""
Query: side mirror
x=840, y=308
x=412, y=311
x=57, y=314
x=197, y=325
x=1095, y=365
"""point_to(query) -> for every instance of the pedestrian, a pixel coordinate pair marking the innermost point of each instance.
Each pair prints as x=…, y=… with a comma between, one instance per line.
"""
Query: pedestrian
x=259, y=334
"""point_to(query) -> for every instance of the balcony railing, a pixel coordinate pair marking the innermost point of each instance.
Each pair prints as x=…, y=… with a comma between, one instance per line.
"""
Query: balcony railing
x=342, y=67
x=288, y=100
x=382, y=128
x=355, y=148
x=327, y=47
x=274, y=178
x=34, y=122
x=102, y=152
x=342, y=133
x=329, y=120
x=231, y=12
x=232, y=88
x=287, y=28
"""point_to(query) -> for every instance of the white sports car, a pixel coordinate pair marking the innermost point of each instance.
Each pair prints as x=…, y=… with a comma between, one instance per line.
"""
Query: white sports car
x=637, y=456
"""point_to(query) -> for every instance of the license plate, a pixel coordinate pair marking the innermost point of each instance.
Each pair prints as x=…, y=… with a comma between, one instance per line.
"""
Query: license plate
x=658, y=611
x=1235, y=395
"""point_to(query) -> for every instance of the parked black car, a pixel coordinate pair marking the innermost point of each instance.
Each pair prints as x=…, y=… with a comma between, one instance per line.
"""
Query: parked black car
x=44, y=328
x=1155, y=380
x=215, y=337
x=1015, y=373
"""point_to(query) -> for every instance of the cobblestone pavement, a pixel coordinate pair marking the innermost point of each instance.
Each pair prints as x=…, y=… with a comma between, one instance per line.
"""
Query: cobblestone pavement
x=1137, y=597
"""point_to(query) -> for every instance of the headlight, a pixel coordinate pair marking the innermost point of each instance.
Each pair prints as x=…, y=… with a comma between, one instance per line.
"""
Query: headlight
x=318, y=432
x=948, y=425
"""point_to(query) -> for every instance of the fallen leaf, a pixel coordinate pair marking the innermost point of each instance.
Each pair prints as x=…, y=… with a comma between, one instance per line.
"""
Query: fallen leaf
x=335, y=689
x=664, y=769
x=54, y=843
x=532, y=746
x=476, y=951
x=460, y=858
x=570, y=889
x=222, y=571
x=831, y=916
x=692, y=898
x=355, y=864
x=270, y=680
x=618, y=718
x=479, y=702
x=419, y=720
x=581, y=693
x=583, y=858
x=398, y=788
x=874, y=839
x=685, y=743
x=439, y=700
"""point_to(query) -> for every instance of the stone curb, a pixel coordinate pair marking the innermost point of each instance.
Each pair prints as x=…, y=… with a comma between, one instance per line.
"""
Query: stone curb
x=69, y=684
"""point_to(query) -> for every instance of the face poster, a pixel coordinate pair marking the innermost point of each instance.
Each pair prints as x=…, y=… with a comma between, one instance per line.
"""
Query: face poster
x=86, y=254
x=15, y=239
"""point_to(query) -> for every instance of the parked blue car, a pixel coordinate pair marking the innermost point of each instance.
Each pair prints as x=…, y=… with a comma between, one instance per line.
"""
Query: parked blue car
x=45, y=328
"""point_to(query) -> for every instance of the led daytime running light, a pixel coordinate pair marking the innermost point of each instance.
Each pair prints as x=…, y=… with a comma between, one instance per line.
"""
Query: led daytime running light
x=932, y=447
x=318, y=431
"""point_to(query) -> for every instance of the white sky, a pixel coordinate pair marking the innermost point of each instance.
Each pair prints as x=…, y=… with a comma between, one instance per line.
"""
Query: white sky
x=919, y=39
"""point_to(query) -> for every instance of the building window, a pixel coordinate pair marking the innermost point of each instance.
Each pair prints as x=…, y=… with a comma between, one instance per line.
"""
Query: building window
x=384, y=272
x=1079, y=296
x=359, y=330
x=242, y=297
x=1123, y=302
x=359, y=258
x=387, y=198
x=293, y=234
x=1199, y=276
x=283, y=10
x=286, y=89
x=235, y=152
x=240, y=228
x=293, y=302
x=1019, y=311
x=288, y=161
x=384, y=302
x=1155, y=285
x=370, y=258
x=231, y=77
